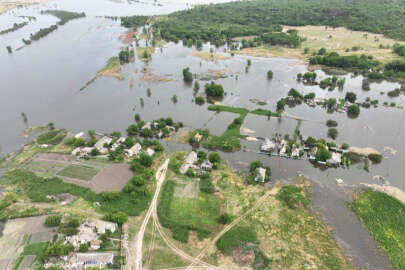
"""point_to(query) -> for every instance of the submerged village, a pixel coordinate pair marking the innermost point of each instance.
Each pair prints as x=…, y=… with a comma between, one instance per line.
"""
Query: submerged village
x=157, y=135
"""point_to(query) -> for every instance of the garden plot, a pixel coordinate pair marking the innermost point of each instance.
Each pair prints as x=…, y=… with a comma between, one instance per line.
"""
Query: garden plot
x=187, y=188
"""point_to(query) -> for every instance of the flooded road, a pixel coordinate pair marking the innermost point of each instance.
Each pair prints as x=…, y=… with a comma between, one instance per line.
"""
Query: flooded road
x=43, y=80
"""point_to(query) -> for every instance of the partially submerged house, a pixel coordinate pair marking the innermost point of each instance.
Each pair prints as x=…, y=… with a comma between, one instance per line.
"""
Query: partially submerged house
x=150, y=152
x=206, y=165
x=268, y=145
x=260, y=174
x=118, y=143
x=336, y=159
x=100, y=144
x=190, y=160
x=134, y=150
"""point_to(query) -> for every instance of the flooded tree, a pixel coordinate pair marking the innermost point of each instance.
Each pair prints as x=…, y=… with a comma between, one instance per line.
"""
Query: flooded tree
x=9, y=49
x=148, y=92
x=270, y=74
x=196, y=86
x=187, y=75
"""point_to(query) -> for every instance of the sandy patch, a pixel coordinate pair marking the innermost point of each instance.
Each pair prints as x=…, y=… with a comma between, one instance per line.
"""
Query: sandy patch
x=364, y=151
x=390, y=149
x=208, y=56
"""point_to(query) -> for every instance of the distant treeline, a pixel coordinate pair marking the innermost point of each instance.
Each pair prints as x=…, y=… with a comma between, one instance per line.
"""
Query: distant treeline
x=64, y=16
x=399, y=49
x=15, y=27
x=374, y=69
x=221, y=22
x=134, y=21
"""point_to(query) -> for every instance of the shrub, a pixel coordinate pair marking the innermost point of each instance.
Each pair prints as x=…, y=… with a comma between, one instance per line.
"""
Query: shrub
x=214, y=90
x=292, y=196
x=345, y=146
x=353, y=110
x=84, y=247
x=331, y=123
x=234, y=238
x=199, y=100
x=53, y=221
x=375, y=158
x=270, y=74
x=119, y=218
x=225, y=218
x=332, y=132
x=196, y=86
x=214, y=157
x=280, y=105
x=351, y=97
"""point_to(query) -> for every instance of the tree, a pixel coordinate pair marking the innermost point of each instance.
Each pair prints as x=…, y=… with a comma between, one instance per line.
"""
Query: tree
x=124, y=56
x=214, y=90
x=196, y=86
x=322, y=154
x=137, y=117
x=214, y=157
x=94, y=152
x=269, y=74
x=9, y=49
x=331, y=123
x=145, y=160
x=225, y=218
x=84, y=247
x=351, y=97
x=353, y=110
x=375, y=158
x=119, y=218
x=280, y=105
x=199, y=100
x=254, y=165
x=187, y=75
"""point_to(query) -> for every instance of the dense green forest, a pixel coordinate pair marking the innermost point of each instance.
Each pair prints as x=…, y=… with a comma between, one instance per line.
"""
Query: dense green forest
x=221, y=22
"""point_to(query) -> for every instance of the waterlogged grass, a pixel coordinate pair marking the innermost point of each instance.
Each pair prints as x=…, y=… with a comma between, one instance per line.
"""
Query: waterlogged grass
x=112, y=69
x=384, y=217
x=79, y=172
x=264, y=112
x=229, y=140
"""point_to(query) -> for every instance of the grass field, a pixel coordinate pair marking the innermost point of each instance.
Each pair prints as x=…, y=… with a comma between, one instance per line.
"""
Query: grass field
x=338, y=39
x=384, y=217
x=79, y=172
x=202, y=211
x=44, y=168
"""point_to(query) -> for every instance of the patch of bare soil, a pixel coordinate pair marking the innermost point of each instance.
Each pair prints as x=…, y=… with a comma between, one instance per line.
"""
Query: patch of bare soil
x=208, y=56
x=112, y=177
x=365, y=151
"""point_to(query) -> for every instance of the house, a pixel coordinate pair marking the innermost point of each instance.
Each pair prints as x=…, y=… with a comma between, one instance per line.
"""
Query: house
x=150, y=152
x=206, y=165
x=43, y=146
x=283, y=149
x=260, y=174
x=268, y=145
x=100, y=143
x=102, y=226
x=148, y=125
x=190, y=160
x=80, y=135
x=94, y=259
x=295, y=152
x=117, y=143
x=95, y=244
x=198, y=137
x=82, y=151
x=134, y=150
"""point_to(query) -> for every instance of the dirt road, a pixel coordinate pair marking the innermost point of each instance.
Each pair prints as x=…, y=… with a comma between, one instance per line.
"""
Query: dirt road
x=160, y=177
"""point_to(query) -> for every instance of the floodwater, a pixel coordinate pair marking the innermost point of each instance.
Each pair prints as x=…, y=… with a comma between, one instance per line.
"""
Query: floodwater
x=43, y=81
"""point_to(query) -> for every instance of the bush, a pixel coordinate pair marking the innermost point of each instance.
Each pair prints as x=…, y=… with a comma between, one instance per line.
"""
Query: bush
x=225, y=218
x=331, y=123
x=375, y=158
x=332, y=132
x=187, y=75
x=119, y=218
x=292, y=196
x=206, y=184
x=235, y=238
x=214, y=90
x=280, y=105
x=199, y=100
x=353, y=110
x=83, y=247
x=69, y=227
x=269, y=74
x=53, y=221
x=345, y=146
x=351, y=97
x=214, y=157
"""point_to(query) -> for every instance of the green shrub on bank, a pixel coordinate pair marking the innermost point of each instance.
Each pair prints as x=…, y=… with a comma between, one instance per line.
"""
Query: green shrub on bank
x=292, y=196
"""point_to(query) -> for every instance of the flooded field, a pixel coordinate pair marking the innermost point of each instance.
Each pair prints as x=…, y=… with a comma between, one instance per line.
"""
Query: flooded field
x=43, y=81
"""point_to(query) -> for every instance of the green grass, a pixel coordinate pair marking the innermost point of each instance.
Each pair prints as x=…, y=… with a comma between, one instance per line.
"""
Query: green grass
x=222, y=108
x=184, y=214
x=79, y=172
x=37, y=188
x=44, y=167
x=235, y=238
x=384, y=217
x=35, y=249
x=52, y=137
x=264, y=112
x=297, y=130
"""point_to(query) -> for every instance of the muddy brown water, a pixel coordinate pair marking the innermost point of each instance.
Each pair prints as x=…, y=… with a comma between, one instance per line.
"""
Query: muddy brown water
x=43, y=81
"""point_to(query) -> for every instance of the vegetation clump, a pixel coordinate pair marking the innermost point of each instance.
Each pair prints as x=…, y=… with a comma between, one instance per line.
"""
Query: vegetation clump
x=293, y=196
x=52, y=137
x=214, y=90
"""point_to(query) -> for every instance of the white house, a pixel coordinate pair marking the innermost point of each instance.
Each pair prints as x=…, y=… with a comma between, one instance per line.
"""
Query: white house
x=134, y=150
x=190, y=159
x=268, y=145
x=260, y=174
x=102, y=226
x=79, y=135
x=117, y=143
x=100, y=144
x=150, y=152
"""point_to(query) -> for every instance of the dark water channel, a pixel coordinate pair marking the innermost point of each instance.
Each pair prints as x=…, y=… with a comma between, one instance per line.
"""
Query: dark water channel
x=43, y=81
